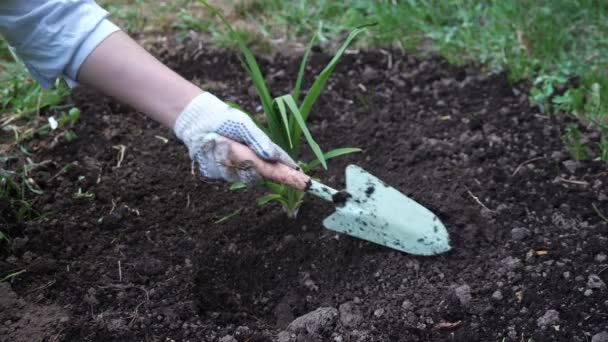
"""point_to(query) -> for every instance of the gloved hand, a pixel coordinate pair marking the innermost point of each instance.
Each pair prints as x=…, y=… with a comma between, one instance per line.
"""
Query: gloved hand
x=207, y=114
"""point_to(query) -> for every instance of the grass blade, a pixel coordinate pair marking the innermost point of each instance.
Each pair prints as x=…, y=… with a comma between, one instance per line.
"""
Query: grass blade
x=301, y=122
x=298, y=86
x=271, y=197
x=274, y=187
x=253, y=71
x=237, y=186
x=319, y=84
x=329, y=155
x=283, y=111
x=228, y=217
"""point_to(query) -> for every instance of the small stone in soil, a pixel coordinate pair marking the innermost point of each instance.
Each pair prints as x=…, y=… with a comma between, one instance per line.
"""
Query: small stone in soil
x=601, y=257
x=497, y=295
x=511, y=263
x=600, y=337
x=463, y=293
x=379, y=312
x=550, y=317
x=314, y=322
x=407, y=305
x=228, y=338
x=350, y=315
x=595, y=282
x=571, y=165
x=519, y=233
x=284, y=336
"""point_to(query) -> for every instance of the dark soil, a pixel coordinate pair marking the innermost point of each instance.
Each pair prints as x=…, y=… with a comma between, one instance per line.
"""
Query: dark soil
x=159, y=255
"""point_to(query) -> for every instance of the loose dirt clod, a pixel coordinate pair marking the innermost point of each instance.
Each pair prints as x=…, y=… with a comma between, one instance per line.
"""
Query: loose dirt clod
x=595, y=282
x=600, y=337
x=350, y=315
x=550, y=317
x=315, y=322
x=519, y=233
x=463, y=293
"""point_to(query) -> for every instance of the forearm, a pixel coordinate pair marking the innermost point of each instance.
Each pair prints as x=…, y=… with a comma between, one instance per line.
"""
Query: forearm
x=120, y=68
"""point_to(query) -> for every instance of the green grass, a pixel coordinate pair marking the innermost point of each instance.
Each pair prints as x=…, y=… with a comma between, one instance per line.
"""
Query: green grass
x=559, y=46
x=22, y=103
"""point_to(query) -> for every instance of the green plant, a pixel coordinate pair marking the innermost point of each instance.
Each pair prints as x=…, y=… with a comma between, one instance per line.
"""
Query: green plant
x=21, y=96
x=543, y=90
x=16, y=187
x=66, y=118
x=286, y=115
x=572, y=140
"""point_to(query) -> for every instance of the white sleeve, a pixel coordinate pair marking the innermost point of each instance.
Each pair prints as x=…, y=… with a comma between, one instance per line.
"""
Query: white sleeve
x=53, y=37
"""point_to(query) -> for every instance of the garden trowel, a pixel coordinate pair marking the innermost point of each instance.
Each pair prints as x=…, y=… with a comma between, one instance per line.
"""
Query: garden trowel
x=368, y=208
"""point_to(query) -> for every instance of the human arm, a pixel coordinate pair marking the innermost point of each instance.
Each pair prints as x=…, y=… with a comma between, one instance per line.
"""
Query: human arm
x=76, y=40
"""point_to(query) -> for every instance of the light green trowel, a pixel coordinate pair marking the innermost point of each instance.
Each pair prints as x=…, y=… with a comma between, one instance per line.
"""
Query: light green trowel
x=368, y=208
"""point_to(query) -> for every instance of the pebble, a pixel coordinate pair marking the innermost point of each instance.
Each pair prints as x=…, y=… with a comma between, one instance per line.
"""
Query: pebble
x=497, y=295
x=407, y=305
x=28, y=257
x=600, y=337
x=314, y=322
x=463, y=293
x=19, y=243
x=595, y=282
x=551, y=317
x=369, y=74
x=350, y=315
x=519, y=233
x=601, y=257
x=379, y=312
x=588, y=292
x=511, y=263
x=571, y=165
x=228, y=338
x=284, y=336
x=558, y=155
x=566, y=275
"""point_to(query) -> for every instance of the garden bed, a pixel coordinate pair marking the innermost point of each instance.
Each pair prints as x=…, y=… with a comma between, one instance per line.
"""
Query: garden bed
x=159, y=255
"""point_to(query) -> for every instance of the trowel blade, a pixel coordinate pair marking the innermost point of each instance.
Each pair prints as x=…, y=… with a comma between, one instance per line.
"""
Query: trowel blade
x=376, y=212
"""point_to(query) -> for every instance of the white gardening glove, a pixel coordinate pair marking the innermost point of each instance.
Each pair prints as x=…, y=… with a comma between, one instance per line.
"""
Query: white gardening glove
x=207, y=114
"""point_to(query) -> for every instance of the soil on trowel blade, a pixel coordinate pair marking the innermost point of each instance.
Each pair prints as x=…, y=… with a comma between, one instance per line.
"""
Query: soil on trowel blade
x=160, y=255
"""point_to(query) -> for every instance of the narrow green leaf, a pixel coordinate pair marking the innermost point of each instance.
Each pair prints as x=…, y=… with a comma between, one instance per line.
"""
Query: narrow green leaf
x=281, y=105
x=3, y=237
x=253, y=71
x=298, y=86
x=301, y=122
x=329, y=155
x=237, y=186
x=12, y=275
x=228, y=217
x=271, y=197
x=274, y=187
x=319, y=84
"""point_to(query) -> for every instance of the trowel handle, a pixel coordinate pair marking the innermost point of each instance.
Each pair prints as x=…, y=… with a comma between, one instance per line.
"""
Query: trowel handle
x=241, y=155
